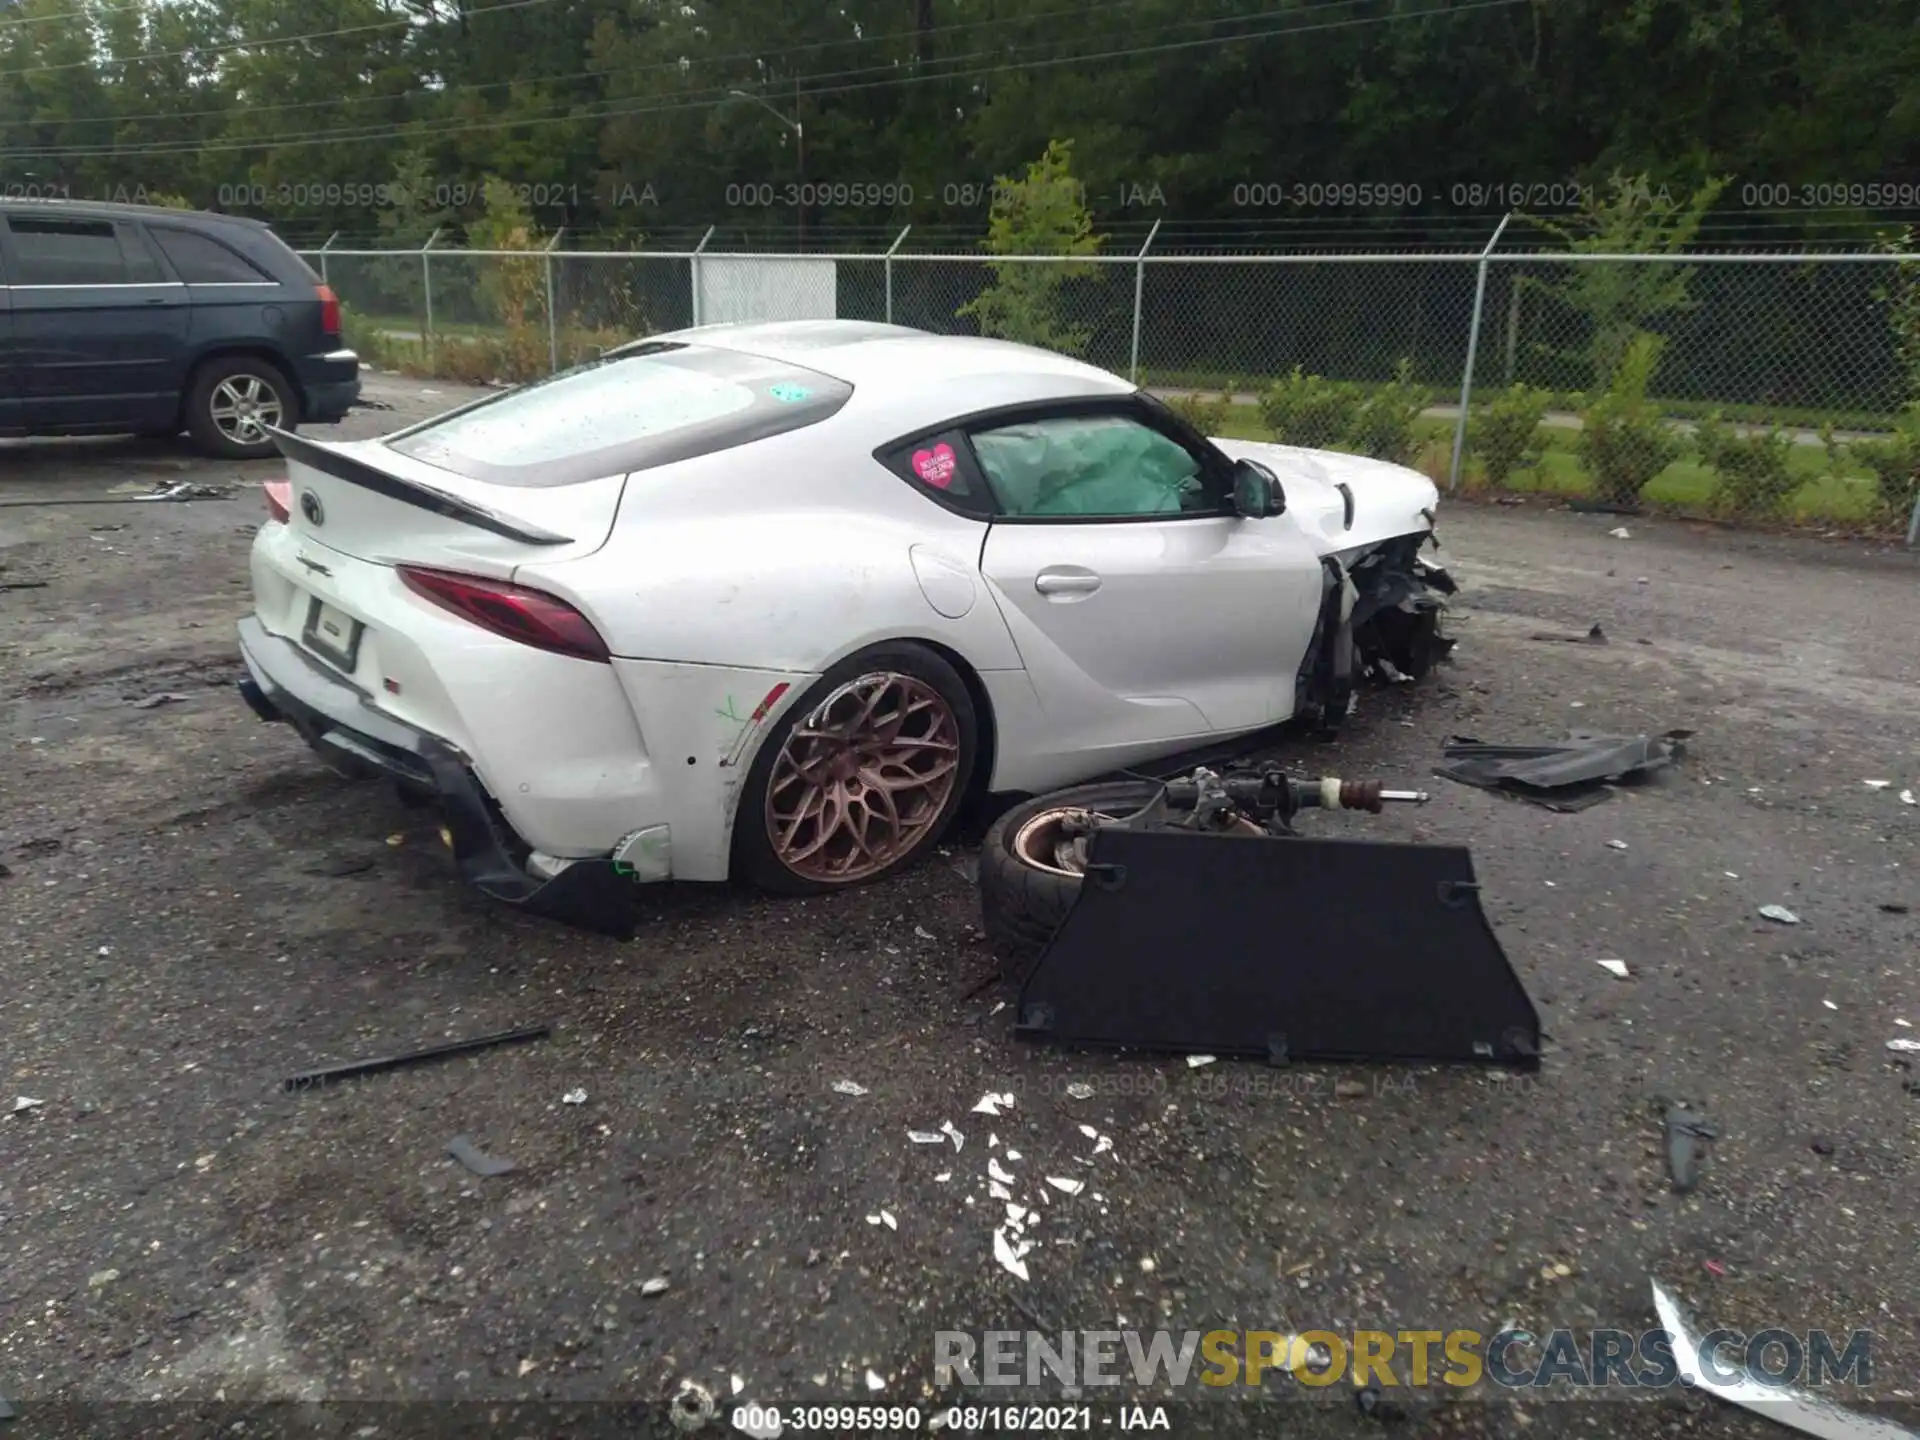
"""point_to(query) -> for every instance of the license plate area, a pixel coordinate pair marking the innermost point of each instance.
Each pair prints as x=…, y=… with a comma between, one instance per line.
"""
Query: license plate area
x=333, y=635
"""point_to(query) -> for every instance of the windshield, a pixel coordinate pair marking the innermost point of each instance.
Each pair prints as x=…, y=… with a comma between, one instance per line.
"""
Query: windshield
x=624, y=413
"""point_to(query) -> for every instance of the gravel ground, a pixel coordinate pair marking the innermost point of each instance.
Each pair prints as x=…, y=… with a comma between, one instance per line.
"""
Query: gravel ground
x=195, y=908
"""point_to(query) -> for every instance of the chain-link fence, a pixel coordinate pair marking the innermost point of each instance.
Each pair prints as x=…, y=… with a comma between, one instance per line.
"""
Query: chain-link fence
x=1761, y=388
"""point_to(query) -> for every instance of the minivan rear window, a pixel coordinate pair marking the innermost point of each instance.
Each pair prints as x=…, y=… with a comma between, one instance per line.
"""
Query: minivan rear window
x=640, y=408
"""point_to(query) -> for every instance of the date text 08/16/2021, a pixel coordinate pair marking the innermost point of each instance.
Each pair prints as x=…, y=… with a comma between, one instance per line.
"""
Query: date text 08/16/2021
x=948, y=1420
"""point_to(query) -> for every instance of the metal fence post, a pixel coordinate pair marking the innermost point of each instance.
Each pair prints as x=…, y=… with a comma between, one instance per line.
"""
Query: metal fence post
x=1139, y=294
x=1913, y=525
x=553, y=322
x=426, y=285
x=890, y=249
x=1473, y=346
x=694, y=269
x=323, y=258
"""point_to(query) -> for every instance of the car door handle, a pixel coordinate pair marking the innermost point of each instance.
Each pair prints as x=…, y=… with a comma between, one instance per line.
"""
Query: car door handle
x=1066, y=582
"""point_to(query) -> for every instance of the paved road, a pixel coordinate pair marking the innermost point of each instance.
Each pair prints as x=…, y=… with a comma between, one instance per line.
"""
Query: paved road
x=176, y=933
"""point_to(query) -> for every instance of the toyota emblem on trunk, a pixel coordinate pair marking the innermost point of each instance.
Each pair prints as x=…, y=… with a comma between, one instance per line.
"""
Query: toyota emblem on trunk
x=310, y=507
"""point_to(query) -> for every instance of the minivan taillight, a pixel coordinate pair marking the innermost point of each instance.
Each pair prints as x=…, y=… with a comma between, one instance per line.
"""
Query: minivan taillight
x=279, y=499
x=329, y=310
x=530, y=616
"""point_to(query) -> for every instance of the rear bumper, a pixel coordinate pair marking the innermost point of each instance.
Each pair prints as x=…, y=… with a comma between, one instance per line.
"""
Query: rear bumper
x=283, y=685
x=331, y=384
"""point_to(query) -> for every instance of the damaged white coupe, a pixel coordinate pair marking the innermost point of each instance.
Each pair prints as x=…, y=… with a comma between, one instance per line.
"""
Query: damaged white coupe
x=771, y=601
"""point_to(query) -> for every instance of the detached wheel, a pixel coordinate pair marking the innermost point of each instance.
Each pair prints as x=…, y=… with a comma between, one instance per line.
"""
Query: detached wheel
x=1030, y=867
x=861, y=776
x=232, y=401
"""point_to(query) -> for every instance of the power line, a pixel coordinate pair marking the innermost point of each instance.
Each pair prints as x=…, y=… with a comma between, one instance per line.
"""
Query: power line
x=85, y=13
x=473, y=87
x=260, y=44
x=708, y=99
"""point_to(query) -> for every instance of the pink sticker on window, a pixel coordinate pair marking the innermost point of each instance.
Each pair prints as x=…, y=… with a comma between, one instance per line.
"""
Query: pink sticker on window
x=935, y=466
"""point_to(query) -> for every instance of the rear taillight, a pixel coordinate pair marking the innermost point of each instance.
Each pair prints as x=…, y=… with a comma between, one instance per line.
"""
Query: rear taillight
x=329, y=309
x=529, y=616
x=279, y=499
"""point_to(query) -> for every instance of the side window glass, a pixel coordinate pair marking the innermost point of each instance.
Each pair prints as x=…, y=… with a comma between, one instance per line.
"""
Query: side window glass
x=937, y=466
x=202, y=260
x=1091, y=466
x=66, y=252
x=142, y=267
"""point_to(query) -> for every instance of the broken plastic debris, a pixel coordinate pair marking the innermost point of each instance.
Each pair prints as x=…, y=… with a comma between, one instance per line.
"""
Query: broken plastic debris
x=952, y=1134
x=1615, y=967
x=1904, y=1047
x=1780, y=913
x=1070, y=1187
x=997, y=1191
x=1829, y=1004
x=848, y=1087
x=1906, y=797
x=1013, y=1154
x=886, y=1218
x=1620, y=532
x=992, y=1104
x=1102, y=1145
x=738, y=1384
x=943, y=1177
x=998, y=1172
x=993, y=1141
x=1004, y=1253
x=1089, y=1132
x=1016, y=1213
x=1080, y=1090
x=874, y=1382
x=26, y=1102
x=656, y=1286
x=1876, y=784
x=575, y=1096
x=1616, y=844
x=873, y=1219
x=1194, y=1062
x=926, y=1137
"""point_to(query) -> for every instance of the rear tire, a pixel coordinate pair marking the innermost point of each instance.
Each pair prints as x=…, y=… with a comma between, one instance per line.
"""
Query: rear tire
x=920, y=735
x=231, y=400
x=1021, y=905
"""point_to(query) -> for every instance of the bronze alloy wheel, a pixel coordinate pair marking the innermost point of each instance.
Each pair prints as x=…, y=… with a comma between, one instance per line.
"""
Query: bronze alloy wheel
x=862, y=778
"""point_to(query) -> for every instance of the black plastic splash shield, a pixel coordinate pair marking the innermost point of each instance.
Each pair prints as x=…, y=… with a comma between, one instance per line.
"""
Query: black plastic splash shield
x=1283, y=949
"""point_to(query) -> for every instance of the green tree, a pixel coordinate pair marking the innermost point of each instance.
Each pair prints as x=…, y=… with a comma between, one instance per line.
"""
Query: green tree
x=1618, y=302
x=1044, y=212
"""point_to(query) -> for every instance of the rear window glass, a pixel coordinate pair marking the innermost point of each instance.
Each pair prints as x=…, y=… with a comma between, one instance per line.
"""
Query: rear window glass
x=201, y=260
x=630, y=411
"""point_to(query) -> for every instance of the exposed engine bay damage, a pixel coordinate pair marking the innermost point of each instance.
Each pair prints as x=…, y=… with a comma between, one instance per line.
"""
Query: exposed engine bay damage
x=1380, y=619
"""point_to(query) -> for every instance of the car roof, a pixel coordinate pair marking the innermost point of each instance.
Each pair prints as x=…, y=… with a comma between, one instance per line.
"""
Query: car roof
x=898, y=363
x=114, y=210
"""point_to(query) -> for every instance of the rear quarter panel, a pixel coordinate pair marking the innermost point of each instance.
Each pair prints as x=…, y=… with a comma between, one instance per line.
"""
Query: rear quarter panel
x=785, y=555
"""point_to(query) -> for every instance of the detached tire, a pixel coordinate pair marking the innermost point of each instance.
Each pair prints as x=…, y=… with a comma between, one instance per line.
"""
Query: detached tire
x=860, y=777
x=1022, y=905
x=231, y=400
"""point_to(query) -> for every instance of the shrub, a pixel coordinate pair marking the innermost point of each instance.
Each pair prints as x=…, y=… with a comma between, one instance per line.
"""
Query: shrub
x=1505, y=432
x=1753, y=478
x=1309, y=411
x=1894, y=463
x=1624, y=440
x=1383, y=423
x=1209, y=417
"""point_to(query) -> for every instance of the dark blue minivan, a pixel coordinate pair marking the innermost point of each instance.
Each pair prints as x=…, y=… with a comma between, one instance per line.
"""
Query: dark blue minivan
x=118, y=319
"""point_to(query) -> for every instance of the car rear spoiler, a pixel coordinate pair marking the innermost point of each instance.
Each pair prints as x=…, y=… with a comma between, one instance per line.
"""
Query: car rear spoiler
x=355, y=471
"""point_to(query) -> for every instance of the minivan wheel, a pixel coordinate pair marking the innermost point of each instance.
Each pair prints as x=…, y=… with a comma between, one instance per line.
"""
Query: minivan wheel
x=231, y=403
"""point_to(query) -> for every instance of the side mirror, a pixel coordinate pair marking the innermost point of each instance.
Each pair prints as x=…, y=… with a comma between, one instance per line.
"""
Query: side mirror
x=1256, y=491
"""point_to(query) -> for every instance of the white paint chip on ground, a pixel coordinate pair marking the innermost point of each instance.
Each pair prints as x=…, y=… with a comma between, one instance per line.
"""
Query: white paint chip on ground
x=848, y=1087
x=886, y=1218
x=574, y=1097
x=874, y=1382
x=1876, y=784
x=1070, y=1187
x=1829, y=1004
x=1904, y=1047
x=25, y=1102
x=656, y=1286
x=1906, y=797
x=999, y=1172
x=1194, y=1062
x=923, y=932
x=1003, y=1251
x=943, y=1177
x=992, y=1104
x=993, y=1141
x=999, y=1005
x=1013, y=1154
x=1079, y=1090
x=1615, y=967
x=952, y=1134
x=1620, y=532
x=997, y=1191
x=1089, y=1132
x=1780, y=914
x=926, y=1137
x=1017, y=1213
x=738, y=1384
x=1102, y=1145
x=1616, y=844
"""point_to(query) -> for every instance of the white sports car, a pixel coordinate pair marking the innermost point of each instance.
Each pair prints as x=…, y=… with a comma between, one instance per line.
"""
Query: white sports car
x=771, y=600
